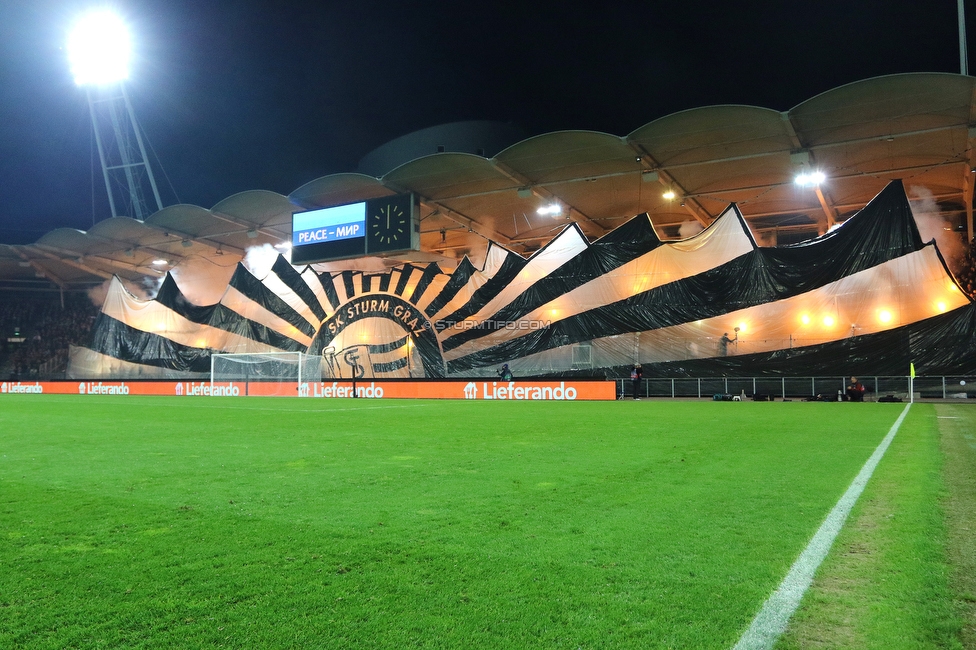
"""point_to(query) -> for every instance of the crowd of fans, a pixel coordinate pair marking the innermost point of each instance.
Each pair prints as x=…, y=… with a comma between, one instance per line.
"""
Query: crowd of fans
x=36, y=332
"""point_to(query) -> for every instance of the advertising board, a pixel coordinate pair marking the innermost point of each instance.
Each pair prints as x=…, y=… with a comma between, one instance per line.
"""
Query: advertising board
x=522, y=390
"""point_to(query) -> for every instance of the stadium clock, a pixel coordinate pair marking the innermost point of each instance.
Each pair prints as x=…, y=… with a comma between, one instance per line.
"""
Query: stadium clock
x=390, y=224
x=381, y=226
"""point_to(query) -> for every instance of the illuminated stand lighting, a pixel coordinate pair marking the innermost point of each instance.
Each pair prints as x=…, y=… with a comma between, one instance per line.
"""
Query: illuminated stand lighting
x=553, y=210
x=99, y=50
x=810, y=179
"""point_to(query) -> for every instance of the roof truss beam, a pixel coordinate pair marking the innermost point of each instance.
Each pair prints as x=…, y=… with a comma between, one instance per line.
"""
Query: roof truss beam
x=688, y=202
x=45, y=272
x=78, y=265
x=541, y=191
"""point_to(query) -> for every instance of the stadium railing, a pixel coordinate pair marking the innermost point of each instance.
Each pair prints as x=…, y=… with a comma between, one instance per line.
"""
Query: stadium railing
x=798, y=388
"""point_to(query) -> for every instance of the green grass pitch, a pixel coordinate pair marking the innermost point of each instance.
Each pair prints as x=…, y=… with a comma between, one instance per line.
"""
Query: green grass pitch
x=179, y=522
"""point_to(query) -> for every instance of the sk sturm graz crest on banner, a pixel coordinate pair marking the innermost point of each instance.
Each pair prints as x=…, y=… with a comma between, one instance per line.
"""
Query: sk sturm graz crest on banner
x=398, y=333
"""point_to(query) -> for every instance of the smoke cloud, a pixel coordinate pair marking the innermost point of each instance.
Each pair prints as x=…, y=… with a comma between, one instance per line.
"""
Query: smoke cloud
x=97, y=294
x=260, y=259
x=144, y=290
x=689, y=229
x=932, y=224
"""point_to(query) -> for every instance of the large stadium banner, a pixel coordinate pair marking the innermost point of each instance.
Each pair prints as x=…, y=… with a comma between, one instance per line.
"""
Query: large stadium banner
x=866, y=298
x=472, y=390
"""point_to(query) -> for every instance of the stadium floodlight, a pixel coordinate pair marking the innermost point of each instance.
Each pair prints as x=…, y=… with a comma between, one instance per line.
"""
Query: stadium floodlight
x=810, y=179
x=99, y=48
x=553, y=209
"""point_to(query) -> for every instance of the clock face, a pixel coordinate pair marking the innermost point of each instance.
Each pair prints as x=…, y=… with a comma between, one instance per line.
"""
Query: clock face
x=390, y=224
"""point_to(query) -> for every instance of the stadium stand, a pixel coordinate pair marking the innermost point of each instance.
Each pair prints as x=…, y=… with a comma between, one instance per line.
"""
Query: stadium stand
x=36, y=330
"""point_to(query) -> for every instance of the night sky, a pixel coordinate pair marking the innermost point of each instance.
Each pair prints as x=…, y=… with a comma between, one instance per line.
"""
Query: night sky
x=238, y=95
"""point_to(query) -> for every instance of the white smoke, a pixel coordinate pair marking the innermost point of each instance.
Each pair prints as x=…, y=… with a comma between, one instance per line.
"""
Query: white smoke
x=689, y=229
x=97, y=294
x=144, y=290
x=260, y=259
x=149, y=287
x=932, y=224
x=202, y=281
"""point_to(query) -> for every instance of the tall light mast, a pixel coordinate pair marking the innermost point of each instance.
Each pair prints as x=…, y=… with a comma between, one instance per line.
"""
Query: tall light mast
x=963, y=54
x=99, y=51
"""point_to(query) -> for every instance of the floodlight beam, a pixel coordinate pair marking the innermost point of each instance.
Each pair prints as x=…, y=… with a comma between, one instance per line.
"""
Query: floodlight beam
x=99, y=49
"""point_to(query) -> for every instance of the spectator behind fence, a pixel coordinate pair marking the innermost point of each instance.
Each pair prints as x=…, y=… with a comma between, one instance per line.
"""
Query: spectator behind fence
x=505, y=373
x=635, y=377
x=855, y=390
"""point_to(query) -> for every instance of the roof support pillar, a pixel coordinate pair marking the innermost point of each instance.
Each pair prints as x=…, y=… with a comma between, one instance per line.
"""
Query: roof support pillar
x=828, y=209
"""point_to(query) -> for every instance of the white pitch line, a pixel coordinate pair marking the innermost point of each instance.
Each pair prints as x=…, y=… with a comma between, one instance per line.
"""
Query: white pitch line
x=772, y=619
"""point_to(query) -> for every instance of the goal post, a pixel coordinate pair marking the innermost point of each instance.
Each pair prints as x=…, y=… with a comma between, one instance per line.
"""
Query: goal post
x=268, y=367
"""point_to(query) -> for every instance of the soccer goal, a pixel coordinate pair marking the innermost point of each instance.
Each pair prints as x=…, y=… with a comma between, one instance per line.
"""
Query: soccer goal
x=268, y=367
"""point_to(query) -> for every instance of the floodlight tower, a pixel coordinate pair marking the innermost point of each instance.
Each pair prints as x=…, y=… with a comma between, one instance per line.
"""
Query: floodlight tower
x=98, y=50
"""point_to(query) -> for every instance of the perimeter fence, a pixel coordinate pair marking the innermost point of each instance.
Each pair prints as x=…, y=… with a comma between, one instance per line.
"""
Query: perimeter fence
x=800, y=388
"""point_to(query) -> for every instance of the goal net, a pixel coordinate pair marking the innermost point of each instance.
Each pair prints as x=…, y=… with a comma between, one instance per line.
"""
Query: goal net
x=268, y=367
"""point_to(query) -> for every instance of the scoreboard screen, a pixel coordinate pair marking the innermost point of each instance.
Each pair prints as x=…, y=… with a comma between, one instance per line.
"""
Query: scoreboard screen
x=328, y=233
x=381, y=226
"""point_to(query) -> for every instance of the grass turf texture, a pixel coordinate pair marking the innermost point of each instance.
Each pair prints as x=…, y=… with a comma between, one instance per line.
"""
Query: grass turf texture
x=129, y=521
x=901, y=574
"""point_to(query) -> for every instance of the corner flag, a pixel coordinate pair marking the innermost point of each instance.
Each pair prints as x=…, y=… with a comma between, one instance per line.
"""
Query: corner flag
x=911, y=370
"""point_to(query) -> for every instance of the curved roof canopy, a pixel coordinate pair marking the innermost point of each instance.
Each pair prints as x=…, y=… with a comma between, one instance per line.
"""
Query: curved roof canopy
x=916, y=127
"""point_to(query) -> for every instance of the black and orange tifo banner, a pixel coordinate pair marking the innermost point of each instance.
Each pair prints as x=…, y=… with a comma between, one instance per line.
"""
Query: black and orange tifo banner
x=868, y=297
x=527, y=390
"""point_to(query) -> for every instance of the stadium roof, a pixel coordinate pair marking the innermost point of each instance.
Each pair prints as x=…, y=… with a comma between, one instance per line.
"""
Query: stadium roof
x=917, y=127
